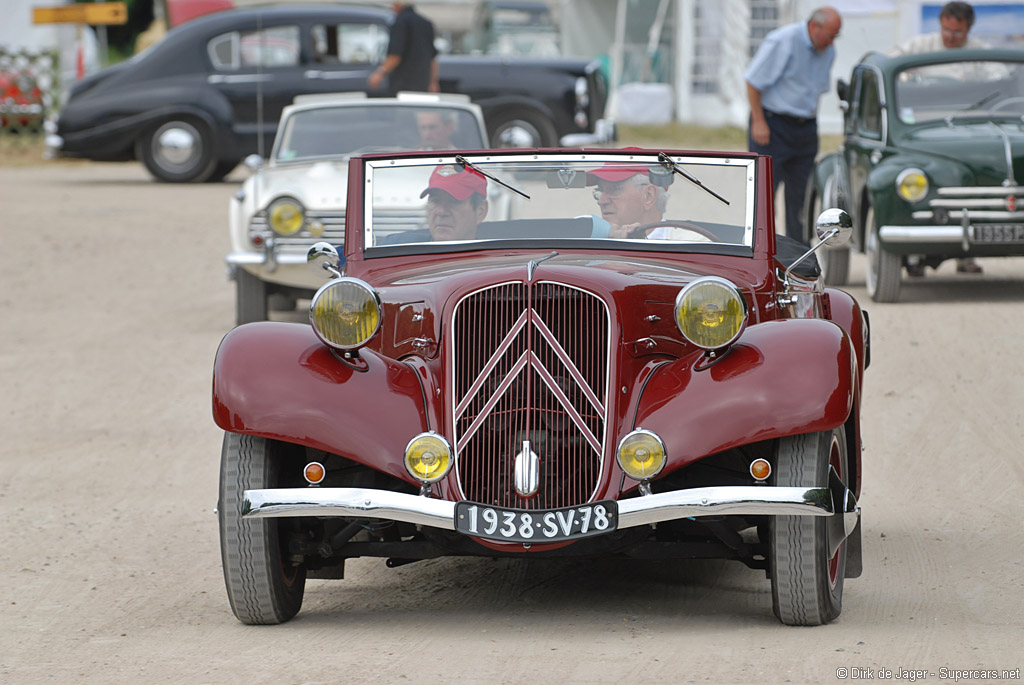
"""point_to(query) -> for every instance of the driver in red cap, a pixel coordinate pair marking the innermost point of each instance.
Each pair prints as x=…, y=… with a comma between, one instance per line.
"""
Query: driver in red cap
x=627, y=197
x=456, y=202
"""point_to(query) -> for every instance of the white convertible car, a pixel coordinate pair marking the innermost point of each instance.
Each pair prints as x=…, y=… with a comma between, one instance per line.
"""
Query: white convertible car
x=297, y=198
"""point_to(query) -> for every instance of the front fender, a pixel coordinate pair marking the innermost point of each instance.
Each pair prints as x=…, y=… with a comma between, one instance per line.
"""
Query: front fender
x=278, y=381
x=780, y=378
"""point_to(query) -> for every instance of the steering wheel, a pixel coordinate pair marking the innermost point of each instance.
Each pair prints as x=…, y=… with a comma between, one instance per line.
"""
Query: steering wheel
x=1017, y=100
x=641, y=231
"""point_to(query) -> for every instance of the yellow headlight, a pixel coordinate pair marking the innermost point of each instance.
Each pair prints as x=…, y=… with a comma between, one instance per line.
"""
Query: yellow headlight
x=345, y=313
x=912, y=184
x=286, y=217
x=710, y=312
x=428, y=457
x=641, y=454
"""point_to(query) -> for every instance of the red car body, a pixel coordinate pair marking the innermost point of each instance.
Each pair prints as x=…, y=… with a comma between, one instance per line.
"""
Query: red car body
x=796, y=369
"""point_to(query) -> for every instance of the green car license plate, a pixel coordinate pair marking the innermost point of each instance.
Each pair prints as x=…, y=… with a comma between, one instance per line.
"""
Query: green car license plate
x=998, y=234
x=536, y=525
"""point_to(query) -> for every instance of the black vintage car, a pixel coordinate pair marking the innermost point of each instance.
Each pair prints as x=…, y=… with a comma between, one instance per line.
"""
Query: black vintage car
x=196, y=103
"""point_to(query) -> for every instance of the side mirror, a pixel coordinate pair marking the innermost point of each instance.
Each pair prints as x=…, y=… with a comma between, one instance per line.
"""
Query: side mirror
x=253, y=163
x=323, y=256
x=834, y=227
x=843, y=90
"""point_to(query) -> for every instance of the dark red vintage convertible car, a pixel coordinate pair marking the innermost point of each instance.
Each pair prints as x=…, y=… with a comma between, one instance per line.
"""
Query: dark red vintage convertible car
x=510, y=358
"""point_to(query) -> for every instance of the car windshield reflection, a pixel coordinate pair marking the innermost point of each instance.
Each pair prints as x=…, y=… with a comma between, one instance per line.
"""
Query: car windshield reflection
x=960, y=89
x=559, y=198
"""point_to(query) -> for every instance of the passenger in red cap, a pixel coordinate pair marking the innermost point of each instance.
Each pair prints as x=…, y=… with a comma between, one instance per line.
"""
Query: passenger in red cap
x=626, y=197
x=456, y=202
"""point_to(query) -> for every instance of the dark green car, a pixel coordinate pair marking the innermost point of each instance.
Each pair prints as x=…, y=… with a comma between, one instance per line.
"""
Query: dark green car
x=933, y=144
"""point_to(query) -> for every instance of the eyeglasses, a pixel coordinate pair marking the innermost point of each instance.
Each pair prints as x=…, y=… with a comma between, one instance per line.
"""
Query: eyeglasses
x=954, y=34
x=616, y=189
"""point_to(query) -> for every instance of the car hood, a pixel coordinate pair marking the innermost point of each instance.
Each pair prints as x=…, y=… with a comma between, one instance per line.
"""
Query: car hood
x=979, y=146
x=319, y=186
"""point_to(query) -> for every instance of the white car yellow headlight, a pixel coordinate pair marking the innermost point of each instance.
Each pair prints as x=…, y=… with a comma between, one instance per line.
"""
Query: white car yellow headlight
x=912, y=184
x=641, y=455
x=428, y=457
x=710, y=312
x=345, y=313
x=286, y=216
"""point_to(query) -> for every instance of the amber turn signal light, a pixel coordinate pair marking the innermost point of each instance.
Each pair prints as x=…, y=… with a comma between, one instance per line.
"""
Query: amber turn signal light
x=760, y=469
x=314, y=472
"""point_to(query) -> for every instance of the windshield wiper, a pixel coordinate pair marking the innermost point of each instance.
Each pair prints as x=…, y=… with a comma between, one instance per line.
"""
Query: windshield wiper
x=667, y=161
x=465, y=163
x=984, y=101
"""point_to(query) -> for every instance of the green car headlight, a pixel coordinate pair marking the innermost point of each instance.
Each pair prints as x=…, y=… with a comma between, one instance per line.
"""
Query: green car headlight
x=710, y=312
x=345, y=313
x=641, y=455
x=286, y=216
x=912, y=185
x=428, y=457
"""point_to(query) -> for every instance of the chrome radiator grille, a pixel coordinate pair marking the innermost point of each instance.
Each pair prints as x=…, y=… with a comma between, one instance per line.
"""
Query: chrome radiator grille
x=529, y=380
x=333, y=230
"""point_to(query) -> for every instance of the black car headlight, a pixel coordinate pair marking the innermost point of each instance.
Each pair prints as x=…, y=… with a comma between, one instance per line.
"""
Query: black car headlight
x=345, y=313
x=710, y=312
x=286, y=216
x=912, y=184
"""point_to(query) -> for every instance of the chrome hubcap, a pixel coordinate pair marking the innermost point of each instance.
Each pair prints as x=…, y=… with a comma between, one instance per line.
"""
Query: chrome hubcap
x=176, y=144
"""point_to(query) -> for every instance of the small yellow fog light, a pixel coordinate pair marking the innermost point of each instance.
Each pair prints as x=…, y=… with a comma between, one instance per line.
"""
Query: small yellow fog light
x=428, y=457
x=314, y=472
x=286, y=216
x=912, y=184
x=641, y=454
x=760, y=469
x=345, y=313
x=710, y=312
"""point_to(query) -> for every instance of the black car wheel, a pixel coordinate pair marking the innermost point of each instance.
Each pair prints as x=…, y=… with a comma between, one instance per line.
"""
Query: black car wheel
x=179, y=151
x=882, y=277
x=834, y=261
x=807, y=582
x=250, y=298
x=521, y=129
x=263, y=584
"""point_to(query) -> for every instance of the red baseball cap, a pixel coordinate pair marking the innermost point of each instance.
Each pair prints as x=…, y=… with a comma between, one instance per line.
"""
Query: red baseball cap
x=458, y=182
x=615, y=172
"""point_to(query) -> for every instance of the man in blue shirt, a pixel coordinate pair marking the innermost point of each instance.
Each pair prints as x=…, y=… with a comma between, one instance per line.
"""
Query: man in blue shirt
x=411, y=62
x=784, y=81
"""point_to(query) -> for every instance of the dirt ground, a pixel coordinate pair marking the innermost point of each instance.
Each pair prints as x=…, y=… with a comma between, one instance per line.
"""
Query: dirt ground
x=114, y=300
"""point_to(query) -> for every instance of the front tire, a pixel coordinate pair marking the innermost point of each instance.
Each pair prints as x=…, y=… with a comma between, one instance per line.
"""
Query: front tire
x=834, y=261
x=250, y=298
x=263, y=585
x=882, y=277
x=179, y=151
x=521, y=128
x=807, y=583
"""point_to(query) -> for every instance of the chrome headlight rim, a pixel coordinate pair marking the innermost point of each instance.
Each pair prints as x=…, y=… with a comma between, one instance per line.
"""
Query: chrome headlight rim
x=286, y=200
x=429, y=435
x=732, y=289
x=334, y=283
x=647, y=433
x=903, y=176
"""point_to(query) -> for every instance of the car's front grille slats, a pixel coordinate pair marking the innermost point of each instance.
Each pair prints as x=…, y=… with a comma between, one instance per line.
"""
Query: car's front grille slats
x=530, y=374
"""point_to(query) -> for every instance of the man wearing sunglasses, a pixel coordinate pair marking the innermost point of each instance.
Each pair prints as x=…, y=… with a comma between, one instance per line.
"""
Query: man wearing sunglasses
x=627, y=198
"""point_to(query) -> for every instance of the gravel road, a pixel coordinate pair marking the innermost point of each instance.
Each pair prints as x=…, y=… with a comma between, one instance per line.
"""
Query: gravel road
x=114, y=300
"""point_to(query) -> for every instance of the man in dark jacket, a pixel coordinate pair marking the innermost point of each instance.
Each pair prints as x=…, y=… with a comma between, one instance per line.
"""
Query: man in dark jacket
x=411, y=62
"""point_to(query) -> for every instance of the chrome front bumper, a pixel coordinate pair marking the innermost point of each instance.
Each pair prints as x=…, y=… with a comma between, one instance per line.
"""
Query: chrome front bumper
x=745, y=500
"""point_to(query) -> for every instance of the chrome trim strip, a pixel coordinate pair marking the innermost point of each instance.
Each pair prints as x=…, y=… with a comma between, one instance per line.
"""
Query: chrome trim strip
x=921, y=234
x=281, y=258
x=741, y=500
x=348, y=502
x=960, y=191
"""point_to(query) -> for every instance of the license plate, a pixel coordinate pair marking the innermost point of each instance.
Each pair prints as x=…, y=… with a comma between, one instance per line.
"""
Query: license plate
x=537, y=525
x=998, y=234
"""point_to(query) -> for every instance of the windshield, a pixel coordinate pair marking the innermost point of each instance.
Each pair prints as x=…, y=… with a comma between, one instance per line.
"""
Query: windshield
x=973, y=89
x=342, y=131
x=536, y=198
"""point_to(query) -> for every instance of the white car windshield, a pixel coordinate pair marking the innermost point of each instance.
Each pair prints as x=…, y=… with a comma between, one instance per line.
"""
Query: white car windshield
x=664, y=203
x=342, y=131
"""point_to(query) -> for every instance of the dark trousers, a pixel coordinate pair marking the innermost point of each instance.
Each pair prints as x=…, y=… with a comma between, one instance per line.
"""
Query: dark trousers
x=793, y=147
